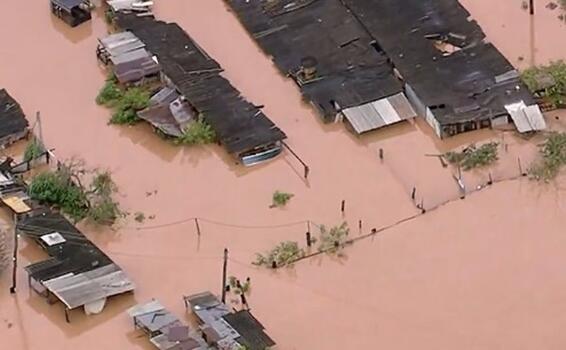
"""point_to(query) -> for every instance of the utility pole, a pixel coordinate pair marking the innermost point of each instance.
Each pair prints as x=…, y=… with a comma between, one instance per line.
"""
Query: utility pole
x=224, y=267
x=14, y=258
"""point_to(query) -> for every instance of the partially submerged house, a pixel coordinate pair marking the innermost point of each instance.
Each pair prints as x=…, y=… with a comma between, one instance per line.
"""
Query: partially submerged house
x=77, y=273
x=127, y=57
x=72, y=12
x=136, y=7
x=340, y=69
x=168, y=112
x=242, y=128
x=453, y=76
x=224, y=329
x=13, y=122
x=165, y=330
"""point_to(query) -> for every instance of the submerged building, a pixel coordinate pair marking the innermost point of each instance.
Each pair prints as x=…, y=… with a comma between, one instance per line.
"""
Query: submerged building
x=331, y=57
x=362, y=60
x=241, y=127
x=72, y=12
x=453, y=76
x=13, y=122
x=226, y=330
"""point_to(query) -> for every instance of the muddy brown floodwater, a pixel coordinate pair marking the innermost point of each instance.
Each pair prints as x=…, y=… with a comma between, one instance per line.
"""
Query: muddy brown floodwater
x=480, y=273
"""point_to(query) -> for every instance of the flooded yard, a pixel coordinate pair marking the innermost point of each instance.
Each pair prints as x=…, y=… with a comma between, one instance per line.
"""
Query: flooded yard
x=483, y=272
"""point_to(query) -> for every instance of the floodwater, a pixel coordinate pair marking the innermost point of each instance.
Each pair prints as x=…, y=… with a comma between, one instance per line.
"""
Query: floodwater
x=484, y=272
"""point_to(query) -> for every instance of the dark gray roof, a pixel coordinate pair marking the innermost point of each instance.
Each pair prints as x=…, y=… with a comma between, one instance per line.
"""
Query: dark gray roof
x=12, y=118
x=353, y=72
x=251, y=331
x=239, y=125
x=77, y=254
x=67, y=5
x=461, y=86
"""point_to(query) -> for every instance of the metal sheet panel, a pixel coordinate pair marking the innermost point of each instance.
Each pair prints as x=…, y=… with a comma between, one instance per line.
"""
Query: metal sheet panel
x=379, y=113
x=402, y=105
x=386, y=111
x=526, y=118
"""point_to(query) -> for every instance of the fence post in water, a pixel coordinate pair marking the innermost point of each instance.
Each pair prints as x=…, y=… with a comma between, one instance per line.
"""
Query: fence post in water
x=381, y=154
x=306, y=167
x=309, y=242
x=224, y=267
x=343, y=206
x=531, y=7
x=360, y=226
x=413, y=193
x=197, y=225
x=521, y=167
x=490, y=181
x=14, y=257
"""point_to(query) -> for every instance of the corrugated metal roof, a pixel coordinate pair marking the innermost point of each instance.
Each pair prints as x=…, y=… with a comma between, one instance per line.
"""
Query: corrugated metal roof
x=377, y=114
x=526, y=118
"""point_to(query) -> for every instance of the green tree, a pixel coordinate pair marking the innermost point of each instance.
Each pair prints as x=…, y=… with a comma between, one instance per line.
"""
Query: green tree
x=197, y=133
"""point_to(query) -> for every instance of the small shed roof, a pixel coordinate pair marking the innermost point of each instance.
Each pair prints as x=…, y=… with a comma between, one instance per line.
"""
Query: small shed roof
x=526, y=118
x=377, y=114
x=81, y=289
x=67, y=5
x=130, y=5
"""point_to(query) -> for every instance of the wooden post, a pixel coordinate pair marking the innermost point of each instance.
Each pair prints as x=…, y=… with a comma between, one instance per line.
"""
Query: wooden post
x=67, y=315
x=381, y=154
x=490, y=182
x=532, y=7
x=309, y=242
x=14, y=257
x=343, y=206
x=520, y=167
x=360, y=226
x=414, y=193
x=197, y=225
x=307, y=169
x=224, y=267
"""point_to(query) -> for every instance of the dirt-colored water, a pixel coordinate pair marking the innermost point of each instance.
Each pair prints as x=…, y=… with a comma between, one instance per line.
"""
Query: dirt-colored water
x=483, y=272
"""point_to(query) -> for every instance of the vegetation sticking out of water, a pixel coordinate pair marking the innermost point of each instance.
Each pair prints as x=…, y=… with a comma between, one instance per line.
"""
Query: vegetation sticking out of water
x=331, y=241
x=109, y=16
x=67, y=189
x=552, y=158
x=285, y=253
x=125, y=102
x=280, y=199
x=197, y=133
x=237, y=287
x=33, y=150
x=474, y=157
x=550, y=80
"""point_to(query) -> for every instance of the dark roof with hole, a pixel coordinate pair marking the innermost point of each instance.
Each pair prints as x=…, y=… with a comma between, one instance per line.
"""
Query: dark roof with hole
x=352, y=71
x=12, y=118
x=470, y=84
x=77, y=254
x=239, y=125
x=251, y=331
